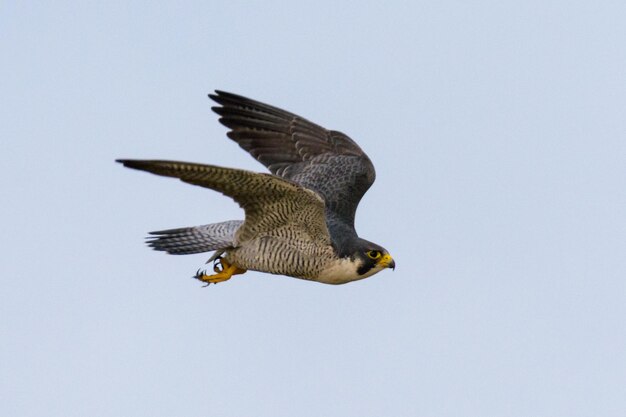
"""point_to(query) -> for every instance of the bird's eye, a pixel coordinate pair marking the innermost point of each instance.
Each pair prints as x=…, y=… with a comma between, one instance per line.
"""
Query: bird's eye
x=374, y=254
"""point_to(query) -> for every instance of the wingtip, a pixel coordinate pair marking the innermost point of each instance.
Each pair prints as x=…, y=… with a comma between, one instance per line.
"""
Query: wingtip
x=218, y=109
x=220, y=96
x=125, y=162
x=217, y=96
x=132, y=163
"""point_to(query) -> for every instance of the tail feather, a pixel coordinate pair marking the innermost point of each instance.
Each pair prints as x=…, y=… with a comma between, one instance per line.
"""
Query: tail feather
x=197, y=239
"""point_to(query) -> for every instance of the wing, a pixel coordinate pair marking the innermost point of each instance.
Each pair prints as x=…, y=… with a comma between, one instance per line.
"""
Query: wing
x=326, y=161
x=273, y=206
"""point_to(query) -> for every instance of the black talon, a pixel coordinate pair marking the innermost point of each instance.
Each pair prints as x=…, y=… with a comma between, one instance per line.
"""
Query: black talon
x=199, y=275
x=217, y=265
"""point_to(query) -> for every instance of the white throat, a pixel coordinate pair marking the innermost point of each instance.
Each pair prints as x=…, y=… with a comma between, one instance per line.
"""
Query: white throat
x=344, y=270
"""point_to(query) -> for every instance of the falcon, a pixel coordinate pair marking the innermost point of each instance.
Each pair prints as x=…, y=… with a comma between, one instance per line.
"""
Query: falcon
x=299, y=220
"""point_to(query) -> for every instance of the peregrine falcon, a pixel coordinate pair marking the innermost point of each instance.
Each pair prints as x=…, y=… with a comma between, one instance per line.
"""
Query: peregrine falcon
x=299, y=220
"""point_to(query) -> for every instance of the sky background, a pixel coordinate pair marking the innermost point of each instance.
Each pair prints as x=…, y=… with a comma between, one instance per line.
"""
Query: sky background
x=498, y=131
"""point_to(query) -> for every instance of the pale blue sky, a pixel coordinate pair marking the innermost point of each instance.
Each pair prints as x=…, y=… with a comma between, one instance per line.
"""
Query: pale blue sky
x=498, y=130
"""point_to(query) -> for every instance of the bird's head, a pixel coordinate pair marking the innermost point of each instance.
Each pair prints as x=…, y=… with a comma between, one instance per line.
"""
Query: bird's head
x=373, y=258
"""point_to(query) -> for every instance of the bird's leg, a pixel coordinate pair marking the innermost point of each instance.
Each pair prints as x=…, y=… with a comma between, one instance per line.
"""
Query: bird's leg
x=223, y=272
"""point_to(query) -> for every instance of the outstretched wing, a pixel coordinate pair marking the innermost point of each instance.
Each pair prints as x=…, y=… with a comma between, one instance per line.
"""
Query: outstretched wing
x=326, y=161
x=273, y=206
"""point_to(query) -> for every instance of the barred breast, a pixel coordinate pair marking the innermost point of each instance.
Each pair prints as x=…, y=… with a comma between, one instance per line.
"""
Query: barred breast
x=282, y=256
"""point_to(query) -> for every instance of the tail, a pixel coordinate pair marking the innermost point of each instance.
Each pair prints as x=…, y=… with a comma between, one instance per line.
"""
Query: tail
x=195, y=239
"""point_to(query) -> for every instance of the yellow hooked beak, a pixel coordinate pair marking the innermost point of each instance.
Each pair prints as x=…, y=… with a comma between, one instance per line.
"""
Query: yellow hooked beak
x=387, y=261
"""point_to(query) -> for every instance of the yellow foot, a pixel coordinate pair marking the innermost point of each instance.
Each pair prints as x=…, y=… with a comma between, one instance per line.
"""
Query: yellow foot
x=224, y=272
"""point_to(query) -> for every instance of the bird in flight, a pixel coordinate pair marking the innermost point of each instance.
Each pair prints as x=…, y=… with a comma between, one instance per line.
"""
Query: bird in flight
x=299, y=220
